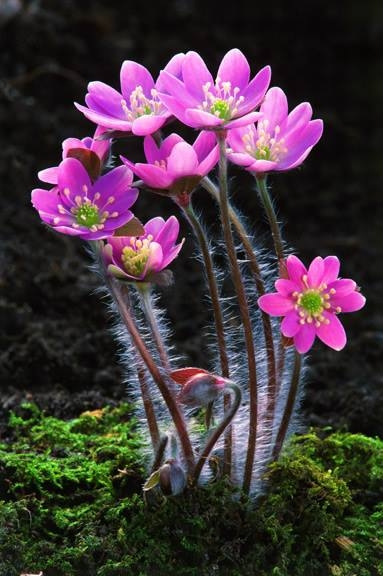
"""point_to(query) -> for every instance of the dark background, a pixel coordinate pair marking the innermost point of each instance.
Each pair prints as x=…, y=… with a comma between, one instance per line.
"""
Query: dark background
x=54, y=344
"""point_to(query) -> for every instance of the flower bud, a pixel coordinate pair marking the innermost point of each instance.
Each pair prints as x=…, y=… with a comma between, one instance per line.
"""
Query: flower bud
x=201, y=389
x=172, y=479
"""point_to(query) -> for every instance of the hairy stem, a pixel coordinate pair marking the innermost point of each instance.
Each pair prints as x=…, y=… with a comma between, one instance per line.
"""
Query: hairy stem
x=289, y=406
x=215, y=435
x=148, y=405
x=279, y=251
x=243, y=309
x=255, y=270
x=218, y=320
x=167, y=395
x=146, y=300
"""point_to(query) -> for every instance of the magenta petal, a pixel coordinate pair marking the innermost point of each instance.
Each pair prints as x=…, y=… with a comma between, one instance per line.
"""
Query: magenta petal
x=286, y=287
x=172, y=253
x=262, y=166
x=200, y=119
x=173, y=67
x=297, y=119
x=46, y=200
x=234, y=68
x=154, y=226
x=204, y=144
x=105, y=99
x=115, y=183
x=176, y=88
x=71, y=174
x=167, y=236
x=153, y=176
x=290, y=325
x=274, y=107
x=275, y=304
x=235, y=137
x=132, y=75
x=152, y=151
x=241, y=159
x=342, y=287
x=48, y=175
x=315, y=272
x=174, y=106
x=333, y=333
x=331, y=269
x=69, y=231
x=154, y=263
x=350, y=303
x=256, y=90
x=304, y=338
x=195, y=74
x=183, y=160
x=300, y=144
x=102, y=118
x=168, y=144
x=243, y=120
x=209, y=162
x=295, y=269
x=147, y=124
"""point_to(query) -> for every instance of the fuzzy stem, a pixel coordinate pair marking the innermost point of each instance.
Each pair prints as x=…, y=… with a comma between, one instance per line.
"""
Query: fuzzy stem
x=255, y=270
x=148, y=405
x=213, y=288
x=145, y=296
x=218, y=321
x=159, y=454
x=228, y=416
x=243, y=308
x=289, y=406
x=167, y=395
x=279, y=251
x=272, y=218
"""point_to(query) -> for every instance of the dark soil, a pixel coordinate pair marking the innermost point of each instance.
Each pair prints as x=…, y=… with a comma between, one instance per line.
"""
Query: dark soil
x=55, y=344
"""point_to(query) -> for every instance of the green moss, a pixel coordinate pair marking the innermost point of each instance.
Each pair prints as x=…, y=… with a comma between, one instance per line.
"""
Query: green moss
x=70, y=504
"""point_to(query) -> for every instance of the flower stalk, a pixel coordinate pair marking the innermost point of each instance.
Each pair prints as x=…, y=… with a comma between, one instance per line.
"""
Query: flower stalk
x=243, y=309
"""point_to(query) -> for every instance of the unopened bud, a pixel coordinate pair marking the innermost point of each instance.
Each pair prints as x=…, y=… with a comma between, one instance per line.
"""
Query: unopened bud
x=172, y=479
x=201, y=389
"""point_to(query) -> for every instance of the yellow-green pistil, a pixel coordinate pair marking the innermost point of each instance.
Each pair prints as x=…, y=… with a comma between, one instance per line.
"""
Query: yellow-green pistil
x=87, y=215
x=221, y=109
x=135, y=256
x=312, y=302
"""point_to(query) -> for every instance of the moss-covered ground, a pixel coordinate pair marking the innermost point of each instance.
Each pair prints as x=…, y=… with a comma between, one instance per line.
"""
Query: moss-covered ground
x=71, y=504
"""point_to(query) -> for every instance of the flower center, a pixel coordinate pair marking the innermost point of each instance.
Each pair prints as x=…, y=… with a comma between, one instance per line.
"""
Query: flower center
x=141, y=105
x=135, y=256
x=263, y=145
x=312, y=302
x=221, y=99
x=87, y=215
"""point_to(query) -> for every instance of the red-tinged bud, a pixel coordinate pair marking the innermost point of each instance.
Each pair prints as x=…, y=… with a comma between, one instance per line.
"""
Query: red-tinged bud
x=201, y=389
x=172, y=478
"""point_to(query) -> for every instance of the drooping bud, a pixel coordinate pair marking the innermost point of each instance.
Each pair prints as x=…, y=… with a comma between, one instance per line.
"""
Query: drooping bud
x=199, y=387
x=172, y=478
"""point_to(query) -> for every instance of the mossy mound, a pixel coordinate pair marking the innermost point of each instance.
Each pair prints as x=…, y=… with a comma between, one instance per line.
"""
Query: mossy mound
x=70, y=504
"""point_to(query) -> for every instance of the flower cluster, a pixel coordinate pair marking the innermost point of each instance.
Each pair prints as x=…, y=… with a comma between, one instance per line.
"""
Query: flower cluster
x=242, y=120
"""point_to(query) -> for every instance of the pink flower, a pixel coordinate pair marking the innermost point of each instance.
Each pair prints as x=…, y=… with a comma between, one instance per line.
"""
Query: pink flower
x=136, y=108
x=92, y=153
x=279, y=141
x=310, y=301
x=192, y=95
x=175, y=165
x=140, y=259
x=78, y=207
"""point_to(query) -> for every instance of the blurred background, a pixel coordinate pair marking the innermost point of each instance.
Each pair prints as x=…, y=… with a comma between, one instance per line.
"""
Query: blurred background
x=55, y=345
